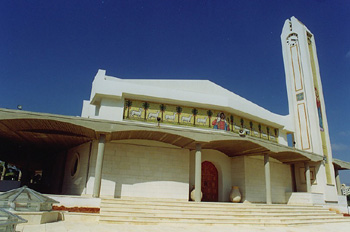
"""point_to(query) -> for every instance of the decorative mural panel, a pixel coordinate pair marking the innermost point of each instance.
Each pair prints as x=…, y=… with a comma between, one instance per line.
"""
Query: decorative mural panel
x=302, y=175
x=255, y=129
x=319, y=111
x=169, y=115
x=300, y=96
x=236, y=124
x=221, y=121
x=296, y=68
x=264, y=132
x=195, y=117
x=273, y=135
x=304, y=130
x=292, y=41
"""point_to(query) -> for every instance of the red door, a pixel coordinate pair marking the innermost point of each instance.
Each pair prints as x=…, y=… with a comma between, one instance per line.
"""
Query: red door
x=209, y=182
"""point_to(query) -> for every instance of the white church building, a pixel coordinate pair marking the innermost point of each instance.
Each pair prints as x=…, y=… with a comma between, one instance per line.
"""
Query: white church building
x=210, y=137
x=162, y=138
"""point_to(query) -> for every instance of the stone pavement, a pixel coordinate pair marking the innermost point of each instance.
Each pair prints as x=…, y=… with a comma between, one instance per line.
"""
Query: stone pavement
x=64, y=226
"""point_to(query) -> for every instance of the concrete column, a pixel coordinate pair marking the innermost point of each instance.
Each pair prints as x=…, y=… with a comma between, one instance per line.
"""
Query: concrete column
x=198, y=173
x=337, y=181
x=308, y=177
x=3, y=172
x=99, y=163
x=267, y=178
x=19, y=175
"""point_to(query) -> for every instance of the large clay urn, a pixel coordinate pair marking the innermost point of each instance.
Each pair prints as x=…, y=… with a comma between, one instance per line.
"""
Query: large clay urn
x=193, y=194
x=235, y=195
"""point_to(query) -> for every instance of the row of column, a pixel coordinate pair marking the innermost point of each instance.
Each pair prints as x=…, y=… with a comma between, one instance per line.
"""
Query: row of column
x=268, y=178
x=198, y=172
x=98, y=169
x=308, y=179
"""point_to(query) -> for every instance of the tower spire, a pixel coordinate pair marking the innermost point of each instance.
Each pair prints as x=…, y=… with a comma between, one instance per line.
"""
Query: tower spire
x=305, y=95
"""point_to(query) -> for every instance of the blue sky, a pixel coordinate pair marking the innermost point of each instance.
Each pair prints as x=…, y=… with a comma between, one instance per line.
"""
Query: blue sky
x=51, y=50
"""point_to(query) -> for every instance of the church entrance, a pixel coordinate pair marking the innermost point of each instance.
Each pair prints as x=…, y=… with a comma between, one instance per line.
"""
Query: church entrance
x=209, y=182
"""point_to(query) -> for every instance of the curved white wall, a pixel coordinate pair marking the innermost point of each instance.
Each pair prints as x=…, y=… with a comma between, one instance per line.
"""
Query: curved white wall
x=75, y=185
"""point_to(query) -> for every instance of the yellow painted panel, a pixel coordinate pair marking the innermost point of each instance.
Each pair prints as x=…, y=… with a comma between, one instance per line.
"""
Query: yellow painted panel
x=264, y=132
x=203, y=118
x=169, y=115
x=320, y=113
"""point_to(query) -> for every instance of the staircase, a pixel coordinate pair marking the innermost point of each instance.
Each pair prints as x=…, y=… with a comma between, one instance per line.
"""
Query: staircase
x=208, y=213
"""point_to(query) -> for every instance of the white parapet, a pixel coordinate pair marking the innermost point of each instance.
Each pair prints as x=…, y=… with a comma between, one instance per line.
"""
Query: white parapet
x=304, y=198
x=76, y=201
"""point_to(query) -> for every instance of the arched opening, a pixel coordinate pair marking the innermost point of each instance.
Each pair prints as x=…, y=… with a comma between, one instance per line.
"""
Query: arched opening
x=37, y=148
x=210, y=183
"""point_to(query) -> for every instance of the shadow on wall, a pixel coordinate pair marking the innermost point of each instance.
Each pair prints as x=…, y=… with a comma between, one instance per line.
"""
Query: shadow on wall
x=118, y=190
x=147, y=189
x=134, y=170
x=221, y=187
x=75, y=171
x=152, y=189
x=315, y=175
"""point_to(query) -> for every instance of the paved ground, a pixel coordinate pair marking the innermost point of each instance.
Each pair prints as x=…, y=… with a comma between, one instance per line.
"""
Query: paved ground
x=64, y=226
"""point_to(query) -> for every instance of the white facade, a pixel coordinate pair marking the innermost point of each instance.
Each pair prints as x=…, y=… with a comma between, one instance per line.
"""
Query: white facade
x=137, y=167
x=108, y=94
x=146, y=169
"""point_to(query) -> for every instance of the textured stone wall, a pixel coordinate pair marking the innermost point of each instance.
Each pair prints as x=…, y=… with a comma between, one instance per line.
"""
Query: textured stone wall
x=143, y=170
x=255, y=189
x=238, y=174
x=148, y=169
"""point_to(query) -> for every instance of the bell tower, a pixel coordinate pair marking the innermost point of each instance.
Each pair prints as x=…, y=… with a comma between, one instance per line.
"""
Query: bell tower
x=305, y=97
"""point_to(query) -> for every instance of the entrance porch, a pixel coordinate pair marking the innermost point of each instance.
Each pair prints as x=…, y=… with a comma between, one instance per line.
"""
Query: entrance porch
x=131, y=159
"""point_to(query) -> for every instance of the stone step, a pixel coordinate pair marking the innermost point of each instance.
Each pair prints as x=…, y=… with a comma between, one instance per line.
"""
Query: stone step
x=203, y=205
x=156, y=212
x=238, y=221
x=174, y=202
x=210, y=214
x=109, y=207
x=157, y=222
x=319, y=221
x=160, y=201
x=219, y=216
